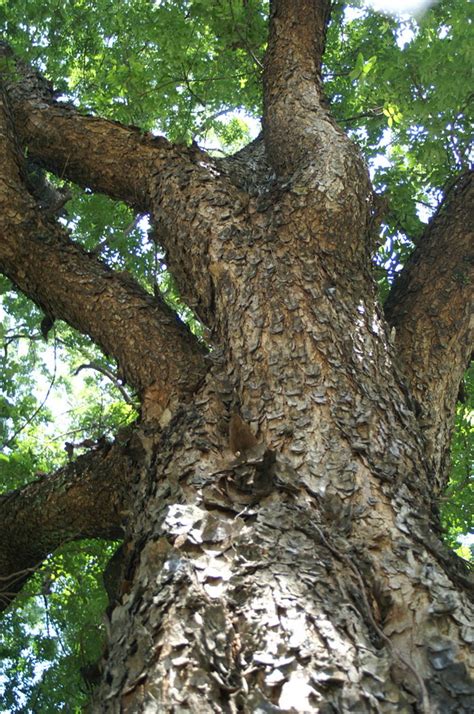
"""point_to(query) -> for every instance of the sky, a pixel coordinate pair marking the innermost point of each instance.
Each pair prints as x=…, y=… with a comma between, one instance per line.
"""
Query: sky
x=401, y=7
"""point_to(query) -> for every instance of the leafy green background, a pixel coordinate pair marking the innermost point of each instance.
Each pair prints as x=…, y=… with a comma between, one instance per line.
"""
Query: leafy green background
x=401, y=88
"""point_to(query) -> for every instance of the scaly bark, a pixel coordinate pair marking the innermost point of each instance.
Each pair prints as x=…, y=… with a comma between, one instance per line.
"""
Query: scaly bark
x=306, y=572
x=190, y=199
x=88, y=498
x=296, y=124
x=431, y=308
x=292, y=583
x=73, y=145
x=70, y=284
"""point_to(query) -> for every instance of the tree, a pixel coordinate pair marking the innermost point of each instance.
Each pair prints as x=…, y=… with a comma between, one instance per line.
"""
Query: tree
x=278, y=495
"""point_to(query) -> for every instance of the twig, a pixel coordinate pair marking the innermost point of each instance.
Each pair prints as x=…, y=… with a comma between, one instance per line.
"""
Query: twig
x=243, y=39
x=107, y=373
x=125, y=233
x=36, y=412
x=375, y=112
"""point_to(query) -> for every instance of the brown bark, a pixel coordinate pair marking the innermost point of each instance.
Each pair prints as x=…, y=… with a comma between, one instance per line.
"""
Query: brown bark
x=73, y=145
x=431, y=308
x=70, y=284
x=276, y=587
x=299, y=568
x=88, y=498
x=295, y=122
x=191, y=200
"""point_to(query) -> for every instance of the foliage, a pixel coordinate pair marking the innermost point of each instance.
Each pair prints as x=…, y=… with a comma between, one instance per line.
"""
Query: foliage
x=402, y=89
x=170, y=66
x=56, y=634
x=183, y=68
x=459, y=498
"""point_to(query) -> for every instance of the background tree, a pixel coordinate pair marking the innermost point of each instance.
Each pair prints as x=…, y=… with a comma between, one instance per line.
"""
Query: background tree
x=295, y=562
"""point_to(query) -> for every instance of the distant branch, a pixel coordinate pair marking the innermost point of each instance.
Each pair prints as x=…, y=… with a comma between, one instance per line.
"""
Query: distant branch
x=243, y=40
x=33, y=416
x=374, y=112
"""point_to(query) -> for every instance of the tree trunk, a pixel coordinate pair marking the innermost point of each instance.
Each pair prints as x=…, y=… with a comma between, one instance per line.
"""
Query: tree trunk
x=286, y=558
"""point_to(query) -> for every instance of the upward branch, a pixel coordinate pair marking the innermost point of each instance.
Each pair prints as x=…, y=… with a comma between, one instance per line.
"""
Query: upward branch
x=302, y=140
x=292, y=86
x=430, y=306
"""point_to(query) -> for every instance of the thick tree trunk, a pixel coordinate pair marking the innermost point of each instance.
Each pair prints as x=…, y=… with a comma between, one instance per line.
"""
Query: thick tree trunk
x=303, y=574
x=293, y=564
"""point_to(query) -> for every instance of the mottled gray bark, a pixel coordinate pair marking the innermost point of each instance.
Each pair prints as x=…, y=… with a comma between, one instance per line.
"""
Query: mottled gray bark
x=303, y=572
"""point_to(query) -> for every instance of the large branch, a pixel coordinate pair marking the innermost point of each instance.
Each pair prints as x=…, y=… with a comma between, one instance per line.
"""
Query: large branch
x=295, y=120
x=430, y=306
x=86, y=499
x=191, y=200
x=155, y=351
x=305, y=146
x=88, y=150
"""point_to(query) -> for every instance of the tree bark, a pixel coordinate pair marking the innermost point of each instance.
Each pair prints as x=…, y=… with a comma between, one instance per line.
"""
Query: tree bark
x=432, y=319
x=86, y=499
x=70, y=284
x=294, y=565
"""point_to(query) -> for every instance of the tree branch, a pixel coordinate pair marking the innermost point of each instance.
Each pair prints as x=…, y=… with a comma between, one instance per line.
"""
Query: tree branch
x=430, y=306
x=304, y=144
x=107, y=373
x=191, y=200
x=72, y=145
x=85, y=499
x=155, y=351
x=293, y=98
